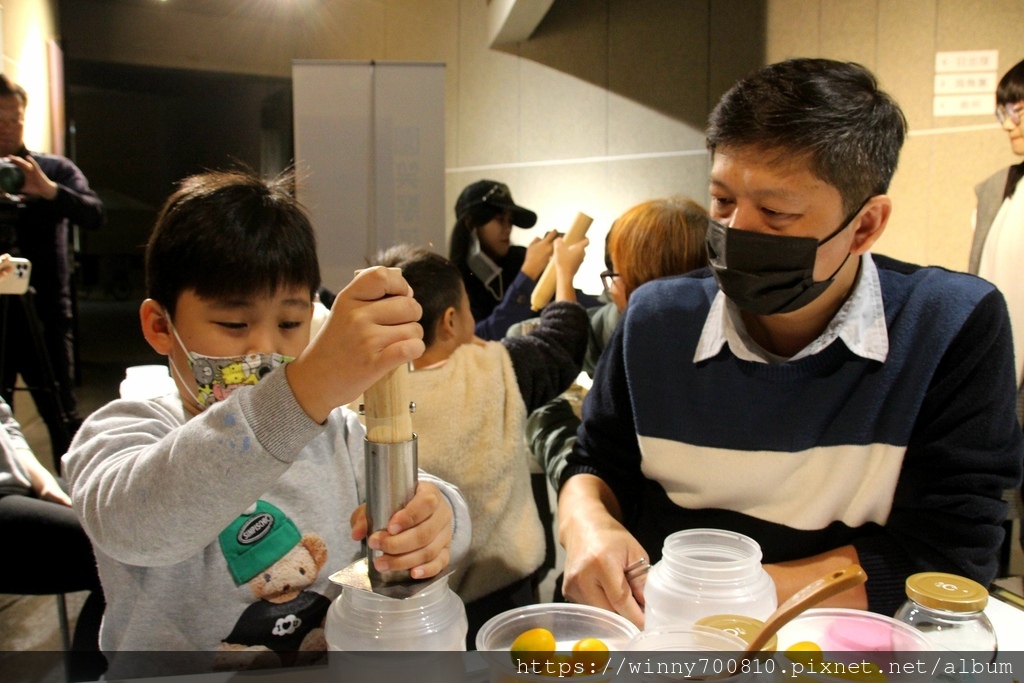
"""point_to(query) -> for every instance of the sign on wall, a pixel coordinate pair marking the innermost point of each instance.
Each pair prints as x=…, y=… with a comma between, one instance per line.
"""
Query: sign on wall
x=965, y=83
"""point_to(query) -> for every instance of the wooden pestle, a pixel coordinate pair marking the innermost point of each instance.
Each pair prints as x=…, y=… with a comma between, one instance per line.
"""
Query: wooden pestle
x=545, y=287
x=391, y=467
x=386, y=408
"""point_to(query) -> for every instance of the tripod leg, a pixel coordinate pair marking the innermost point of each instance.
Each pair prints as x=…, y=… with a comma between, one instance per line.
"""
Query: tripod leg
x=46, y=390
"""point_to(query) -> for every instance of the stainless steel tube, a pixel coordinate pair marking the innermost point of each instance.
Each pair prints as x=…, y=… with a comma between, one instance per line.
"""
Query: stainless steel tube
x=390, y=485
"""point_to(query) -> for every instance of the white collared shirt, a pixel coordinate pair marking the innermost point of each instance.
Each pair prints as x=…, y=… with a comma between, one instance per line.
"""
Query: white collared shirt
x=860, y=323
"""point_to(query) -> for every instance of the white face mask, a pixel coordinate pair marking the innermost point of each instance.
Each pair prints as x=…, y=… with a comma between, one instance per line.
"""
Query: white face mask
x=216, y=377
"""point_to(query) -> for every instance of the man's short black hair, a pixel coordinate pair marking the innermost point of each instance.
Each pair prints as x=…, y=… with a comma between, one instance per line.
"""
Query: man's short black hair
x=436, y=282
x=9, y=88
x=832, y=114
x=1011, y=85
x=230, y=234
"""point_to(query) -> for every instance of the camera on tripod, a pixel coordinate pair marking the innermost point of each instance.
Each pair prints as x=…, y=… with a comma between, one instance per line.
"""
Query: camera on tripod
x=12, y=178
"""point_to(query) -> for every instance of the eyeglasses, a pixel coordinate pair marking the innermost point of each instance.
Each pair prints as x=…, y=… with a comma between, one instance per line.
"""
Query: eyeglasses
x=607, y=278
x=1011, y=111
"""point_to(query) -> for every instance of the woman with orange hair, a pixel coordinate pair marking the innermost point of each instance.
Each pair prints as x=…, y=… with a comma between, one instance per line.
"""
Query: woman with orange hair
x=654, y=239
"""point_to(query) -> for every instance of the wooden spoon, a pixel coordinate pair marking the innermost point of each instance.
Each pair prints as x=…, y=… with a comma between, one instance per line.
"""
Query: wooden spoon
x=805, y=598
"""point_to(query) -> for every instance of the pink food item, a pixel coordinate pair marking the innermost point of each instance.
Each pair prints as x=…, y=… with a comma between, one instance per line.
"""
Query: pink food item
x=858, y=636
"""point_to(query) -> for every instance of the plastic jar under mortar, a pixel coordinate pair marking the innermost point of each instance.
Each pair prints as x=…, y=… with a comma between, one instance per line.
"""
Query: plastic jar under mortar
x=433, y=619
x=703, y=572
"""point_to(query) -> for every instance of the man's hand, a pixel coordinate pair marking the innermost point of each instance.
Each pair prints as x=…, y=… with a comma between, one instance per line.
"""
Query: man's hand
x=373, y=328
x=36, y=182
x=6, y=267
x=418, y=537
x=597, y=550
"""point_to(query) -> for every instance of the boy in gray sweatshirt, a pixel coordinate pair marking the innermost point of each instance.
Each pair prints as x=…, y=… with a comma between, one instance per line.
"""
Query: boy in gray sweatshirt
x=218, y=513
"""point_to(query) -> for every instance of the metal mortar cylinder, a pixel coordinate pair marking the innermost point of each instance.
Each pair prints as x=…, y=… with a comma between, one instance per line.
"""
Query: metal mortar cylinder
x=390, y=485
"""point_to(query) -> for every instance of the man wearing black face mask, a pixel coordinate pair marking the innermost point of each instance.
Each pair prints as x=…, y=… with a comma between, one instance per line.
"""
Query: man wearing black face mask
x=835, y=406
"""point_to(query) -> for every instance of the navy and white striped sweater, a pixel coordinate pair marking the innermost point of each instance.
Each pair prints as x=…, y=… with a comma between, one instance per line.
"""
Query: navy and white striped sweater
x=906, y=460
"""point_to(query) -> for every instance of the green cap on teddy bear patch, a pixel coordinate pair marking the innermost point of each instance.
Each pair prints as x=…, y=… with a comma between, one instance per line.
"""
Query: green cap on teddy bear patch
x=256, y=540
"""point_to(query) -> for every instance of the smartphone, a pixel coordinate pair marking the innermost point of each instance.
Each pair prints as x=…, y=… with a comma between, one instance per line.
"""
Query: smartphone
x=17, y=282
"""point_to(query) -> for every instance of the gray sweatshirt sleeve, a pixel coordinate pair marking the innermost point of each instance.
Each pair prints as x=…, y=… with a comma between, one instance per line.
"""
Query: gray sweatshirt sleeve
x=153, y=488
x=14, y=478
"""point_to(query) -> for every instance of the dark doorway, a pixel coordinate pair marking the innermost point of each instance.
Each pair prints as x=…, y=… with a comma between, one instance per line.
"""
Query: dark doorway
x=136, y=131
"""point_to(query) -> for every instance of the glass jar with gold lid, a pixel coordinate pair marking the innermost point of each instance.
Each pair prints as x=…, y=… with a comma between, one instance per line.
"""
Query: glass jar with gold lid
x=948, y=609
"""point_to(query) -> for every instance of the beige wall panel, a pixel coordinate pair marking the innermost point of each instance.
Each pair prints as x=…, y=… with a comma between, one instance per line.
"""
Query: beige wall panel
x=563, y=74
x=736, y=39
x=488, y=87
x=631, y=182
x=906, y=56
x=961, y=161
x=906, y=235
x=636, y=129
x=955, y=172
x=657, y=75
x=428, y=30
x=573, y=39
x=344, y=29
x=558, y=192
x=793, y=29
x=561, y=117
x=160, y=36
x=849, y=31
x=980, y=25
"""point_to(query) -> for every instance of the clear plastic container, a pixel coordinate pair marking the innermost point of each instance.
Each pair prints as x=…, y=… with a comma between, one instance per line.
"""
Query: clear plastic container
x=875, y=644
x=694, y=638
x=433, y=619
x=947, y=609
x=704, y=572
x=146, y=381
x=680, y=653
x=567, y=622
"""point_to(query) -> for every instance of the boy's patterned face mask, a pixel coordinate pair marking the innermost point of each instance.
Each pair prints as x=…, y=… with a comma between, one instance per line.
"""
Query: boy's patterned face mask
x=216, y=377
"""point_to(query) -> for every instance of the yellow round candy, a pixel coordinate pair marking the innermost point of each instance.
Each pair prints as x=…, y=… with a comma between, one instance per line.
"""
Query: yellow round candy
x=804, y=652
x=592, y=653
x=534, y=640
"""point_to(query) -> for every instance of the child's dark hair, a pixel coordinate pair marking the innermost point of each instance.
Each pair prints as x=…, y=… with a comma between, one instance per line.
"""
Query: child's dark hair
x=230, y=234
x=1011, y=85
x=436, y=282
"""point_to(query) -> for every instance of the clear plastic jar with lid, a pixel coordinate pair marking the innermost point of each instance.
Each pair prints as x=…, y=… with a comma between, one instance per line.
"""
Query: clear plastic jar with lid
x=947, y=609
x=433, y=619
x=703, y=572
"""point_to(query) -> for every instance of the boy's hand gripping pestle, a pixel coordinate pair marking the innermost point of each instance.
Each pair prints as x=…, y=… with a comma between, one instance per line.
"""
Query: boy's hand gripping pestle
x=391, y=467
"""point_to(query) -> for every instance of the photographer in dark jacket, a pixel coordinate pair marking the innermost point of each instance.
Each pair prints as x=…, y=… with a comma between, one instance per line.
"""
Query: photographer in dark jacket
x=34, y=224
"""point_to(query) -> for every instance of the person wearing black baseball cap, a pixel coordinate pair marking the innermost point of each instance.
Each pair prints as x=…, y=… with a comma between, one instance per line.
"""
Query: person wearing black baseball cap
x=499, y=276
